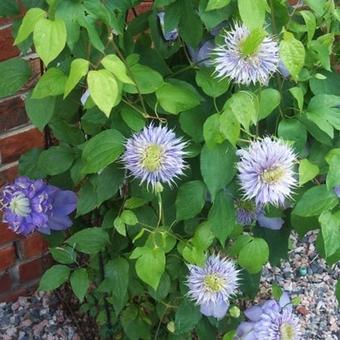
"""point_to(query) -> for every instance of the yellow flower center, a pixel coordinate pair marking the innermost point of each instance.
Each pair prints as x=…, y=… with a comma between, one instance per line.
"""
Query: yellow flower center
x=20, y=205
x=213, y=283
x=287, y=332
x=272, y=175
x=152, y=157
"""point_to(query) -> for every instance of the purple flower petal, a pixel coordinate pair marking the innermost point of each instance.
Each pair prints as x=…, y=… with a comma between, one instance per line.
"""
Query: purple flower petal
x=273, y=223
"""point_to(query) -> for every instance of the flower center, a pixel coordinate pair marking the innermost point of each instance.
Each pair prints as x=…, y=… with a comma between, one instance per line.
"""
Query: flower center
x=272, y=175
x=20, y=205
x=152, y=157
x=213, y=283
x=287, y=332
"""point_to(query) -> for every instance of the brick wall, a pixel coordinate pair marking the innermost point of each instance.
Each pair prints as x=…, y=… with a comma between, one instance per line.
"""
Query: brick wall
x=22, y=260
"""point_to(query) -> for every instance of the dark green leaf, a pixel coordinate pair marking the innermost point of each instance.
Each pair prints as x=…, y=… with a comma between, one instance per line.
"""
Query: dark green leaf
x=54, y=277
x=80, y=283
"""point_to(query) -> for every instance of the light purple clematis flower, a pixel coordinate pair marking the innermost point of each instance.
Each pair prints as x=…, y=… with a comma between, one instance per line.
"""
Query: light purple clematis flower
x=32, y=205
x=155, y=155
x=248, y=213
x=168, y=36
x=230, y=60
x=337, y=190
x=266, y=171
x=201, y=55
x=212, y=285
x=270, y=320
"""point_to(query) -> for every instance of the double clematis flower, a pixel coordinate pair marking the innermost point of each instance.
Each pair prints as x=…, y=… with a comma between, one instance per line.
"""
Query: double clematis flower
x=32, y=205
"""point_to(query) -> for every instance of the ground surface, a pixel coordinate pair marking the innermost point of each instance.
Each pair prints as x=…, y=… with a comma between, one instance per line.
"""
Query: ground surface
x=46, y=316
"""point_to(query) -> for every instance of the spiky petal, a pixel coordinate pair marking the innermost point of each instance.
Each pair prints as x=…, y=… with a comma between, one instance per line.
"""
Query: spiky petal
x=256, y=68
x=266, y=171
x=32, y=205
x=271, y=320
x=155, y=155
x=212, y=285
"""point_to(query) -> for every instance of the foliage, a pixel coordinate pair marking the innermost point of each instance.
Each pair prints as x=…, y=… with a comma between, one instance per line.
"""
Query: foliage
x=105, y=79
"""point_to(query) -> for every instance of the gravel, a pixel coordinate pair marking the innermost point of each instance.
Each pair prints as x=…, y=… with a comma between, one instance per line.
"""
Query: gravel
x=38, y=317
x=304, y=275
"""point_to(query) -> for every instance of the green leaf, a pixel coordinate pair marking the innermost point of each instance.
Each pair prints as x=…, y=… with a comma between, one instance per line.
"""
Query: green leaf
x=40, y=111
x=310, y=21
x=117, y=272
x=87, y=199
x=54, y=277
x=119, y=225
x=333, y=176
x=314, y=201
x=150, y=266
x=80, y=283
x=217, y=166
x=229, y=336
x=28, y=164
x=318, y=6
x=212, y=130
x=129, y=217
x=269, y=100
x=108, y=182
x=52, y=83
x=217, y=4
x=56, y=160
x=15, y=73
x=104, y=90
x=9, y=8
x=29, y=21
x=190, y=200
x=147, y=79
x=101, y=150
x=293, y=130
x=190, y=25
x=252, y=42
x=307, y=171
x=79, y=69
x=297, y=93
x=63, y=255
x=49, y=38
x=222, y=217
x=134, y=202
x=113, y=64
x=210, y=85
x=252, y=12
x=177, y=96
x=187, y=317
x=330, y=228
x=254, y=255
x=133, y=119
x=203, y=237
x=292, y=54
x=337, y=291
x=89, y=241
x=230, y=127
x=276, y=291
x=244, y=106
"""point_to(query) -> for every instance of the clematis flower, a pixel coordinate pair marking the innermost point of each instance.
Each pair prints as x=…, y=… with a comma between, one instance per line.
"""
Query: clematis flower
x=212, y=285
x=231, y=60
x=168, y=36
x=155, y=155
x=32, y=205
x=266, y=171
x=270, y=320
x=201, y=55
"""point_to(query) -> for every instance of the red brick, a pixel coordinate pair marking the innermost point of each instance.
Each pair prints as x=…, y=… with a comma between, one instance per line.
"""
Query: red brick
x=12, y=113
x=32, y=270
x=32, y=246
x=7, y=235
x=5, y=283
x=14, y=144
x=7, y=50
x=13, y=295
x=143, y=7
x=7, y=257
x=8, y=173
